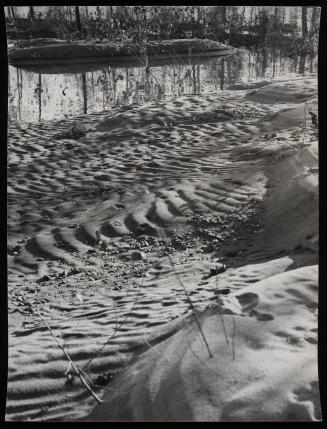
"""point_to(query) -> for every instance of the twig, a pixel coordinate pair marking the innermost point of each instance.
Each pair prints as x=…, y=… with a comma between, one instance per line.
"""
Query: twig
x=222, y=319
x=233, y=337
x=191, y=306
x=224, y=328
x=305, y=124
x=116, y=329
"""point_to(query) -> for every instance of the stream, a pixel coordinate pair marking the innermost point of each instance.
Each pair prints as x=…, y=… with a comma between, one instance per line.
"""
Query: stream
x=36, y=97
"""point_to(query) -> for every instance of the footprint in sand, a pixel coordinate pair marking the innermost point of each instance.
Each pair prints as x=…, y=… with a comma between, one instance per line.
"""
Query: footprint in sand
x=248, y=302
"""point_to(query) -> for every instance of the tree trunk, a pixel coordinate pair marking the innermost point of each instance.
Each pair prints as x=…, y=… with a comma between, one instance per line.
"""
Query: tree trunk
x=314, y=19
x=78, y=21
x=251, y=15
x=31, y=13
x=276, y=13
x=304, y=22
x=223, y=16
x=243, y=16
x=70, y=13
x=294, y=16
x=283, y=14
x=107, y=11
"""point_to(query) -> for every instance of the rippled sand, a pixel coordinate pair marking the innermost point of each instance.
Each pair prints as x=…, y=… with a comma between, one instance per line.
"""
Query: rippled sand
x=111, y=235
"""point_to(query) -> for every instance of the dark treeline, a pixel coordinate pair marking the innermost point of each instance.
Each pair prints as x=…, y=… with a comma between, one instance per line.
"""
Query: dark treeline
x=291, y=29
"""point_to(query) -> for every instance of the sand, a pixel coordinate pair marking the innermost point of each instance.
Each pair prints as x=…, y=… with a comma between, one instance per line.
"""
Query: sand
x=263, y=365
x=107, y=231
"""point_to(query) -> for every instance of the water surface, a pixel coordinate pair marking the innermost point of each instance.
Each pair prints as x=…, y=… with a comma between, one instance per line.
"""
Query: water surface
x=35, y=97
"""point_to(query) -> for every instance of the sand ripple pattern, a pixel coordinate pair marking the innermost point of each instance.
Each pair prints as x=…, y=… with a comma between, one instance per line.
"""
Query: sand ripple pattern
x=137, y=171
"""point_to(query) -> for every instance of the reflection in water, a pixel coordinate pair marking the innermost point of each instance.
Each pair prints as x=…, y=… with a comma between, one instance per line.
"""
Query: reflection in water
x=222, y=75
x=38, y=96
x=19, y=90
x=264, y=62
x=302, y=64
x=84, y=92
x=34, y=97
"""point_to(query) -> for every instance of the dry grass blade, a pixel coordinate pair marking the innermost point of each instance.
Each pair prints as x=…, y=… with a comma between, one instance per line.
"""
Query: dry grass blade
x=233, y=337
x=224, y=329
x=116, y=329
x=191, y=306
x=78, y=372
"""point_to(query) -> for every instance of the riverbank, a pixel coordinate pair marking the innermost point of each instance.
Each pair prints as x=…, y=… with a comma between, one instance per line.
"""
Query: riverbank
x=84, y=51
x=211, y=198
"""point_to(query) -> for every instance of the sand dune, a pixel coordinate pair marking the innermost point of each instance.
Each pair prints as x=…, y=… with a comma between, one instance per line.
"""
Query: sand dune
x=205, y=179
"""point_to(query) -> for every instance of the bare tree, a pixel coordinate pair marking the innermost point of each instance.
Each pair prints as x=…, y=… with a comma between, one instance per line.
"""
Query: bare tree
x=303, y=52
x=304, y=22
x=283, y=14
x=13, y=12
x=78, y=21
x=251, y=15
x=31, y=13
x=9, y=12
x=293, y=16
x=223, y=16
x=314, y=19
x=276, y=12
x=70, y=13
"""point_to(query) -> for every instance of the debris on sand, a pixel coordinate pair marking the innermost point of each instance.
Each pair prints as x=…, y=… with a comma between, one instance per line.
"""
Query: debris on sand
x=218, y=269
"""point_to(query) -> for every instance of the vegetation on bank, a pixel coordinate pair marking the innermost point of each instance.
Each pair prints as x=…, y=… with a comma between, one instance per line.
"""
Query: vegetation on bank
x=293, y=29
x=52, y=50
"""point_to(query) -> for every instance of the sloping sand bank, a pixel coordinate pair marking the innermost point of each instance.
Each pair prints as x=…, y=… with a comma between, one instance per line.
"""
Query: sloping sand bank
x=110, y=235
x=263, y=365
